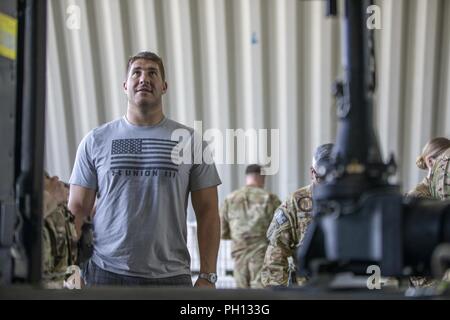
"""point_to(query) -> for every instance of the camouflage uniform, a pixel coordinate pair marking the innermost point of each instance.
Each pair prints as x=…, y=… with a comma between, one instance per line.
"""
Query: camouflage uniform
x=245, y=216
x=439, y=188
x=422, y=190
x=285, y=235
x=59, y=245
x=440, y=177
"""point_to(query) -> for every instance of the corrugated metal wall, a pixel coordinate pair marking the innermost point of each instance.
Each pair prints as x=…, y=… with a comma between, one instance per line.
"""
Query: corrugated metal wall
x=247, y=64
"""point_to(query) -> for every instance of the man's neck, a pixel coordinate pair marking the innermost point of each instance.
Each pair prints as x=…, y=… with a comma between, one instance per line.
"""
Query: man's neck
x=141, y=117
x=254, y=185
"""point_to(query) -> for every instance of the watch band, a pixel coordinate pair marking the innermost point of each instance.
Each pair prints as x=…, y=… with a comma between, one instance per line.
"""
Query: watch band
x=211, y=277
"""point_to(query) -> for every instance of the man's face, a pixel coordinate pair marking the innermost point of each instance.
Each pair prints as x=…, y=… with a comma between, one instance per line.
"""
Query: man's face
x=144, y=85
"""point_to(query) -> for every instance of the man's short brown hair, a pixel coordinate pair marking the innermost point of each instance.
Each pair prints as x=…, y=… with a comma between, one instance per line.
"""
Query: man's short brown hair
x=147, y=55
x=253, y=169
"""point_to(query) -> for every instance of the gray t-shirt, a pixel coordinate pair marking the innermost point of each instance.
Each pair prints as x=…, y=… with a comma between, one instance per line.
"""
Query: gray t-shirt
x=142, y=196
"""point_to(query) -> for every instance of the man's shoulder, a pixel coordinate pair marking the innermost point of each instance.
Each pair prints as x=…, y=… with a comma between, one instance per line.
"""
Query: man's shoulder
x=174, y=125
x=239, y=193
x=103, y=130
x=301, y=193
x=249, y=192
x=252, y=199
x=273, y=197
x=111, y=125
x=300, y=200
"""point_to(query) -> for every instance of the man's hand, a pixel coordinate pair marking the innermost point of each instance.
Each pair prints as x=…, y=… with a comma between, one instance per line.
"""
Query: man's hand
x=203, y=283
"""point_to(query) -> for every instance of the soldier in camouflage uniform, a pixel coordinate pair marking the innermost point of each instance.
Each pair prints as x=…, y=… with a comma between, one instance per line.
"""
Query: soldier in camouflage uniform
x=245, y=216
x=440, y=177
x=432, y=151
x=440, y=185
x=59, y=242
x=288, y=227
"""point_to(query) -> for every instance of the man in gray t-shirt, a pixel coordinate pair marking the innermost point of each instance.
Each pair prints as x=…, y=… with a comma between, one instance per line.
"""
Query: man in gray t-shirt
x=142, y=191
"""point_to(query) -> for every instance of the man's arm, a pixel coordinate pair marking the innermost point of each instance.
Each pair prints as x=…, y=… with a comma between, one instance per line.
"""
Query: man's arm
x=225, y=226
x=81, y=202
x=272, y=206
x=281, y=246
x=275, y=270
x=205, y=205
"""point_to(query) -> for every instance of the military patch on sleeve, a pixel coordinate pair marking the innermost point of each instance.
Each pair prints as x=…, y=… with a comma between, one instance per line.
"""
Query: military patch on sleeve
x=305, y=204
x=280, y=217
x=273, y=226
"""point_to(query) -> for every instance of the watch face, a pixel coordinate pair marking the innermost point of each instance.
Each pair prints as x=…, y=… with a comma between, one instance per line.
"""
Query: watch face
x=212, y=278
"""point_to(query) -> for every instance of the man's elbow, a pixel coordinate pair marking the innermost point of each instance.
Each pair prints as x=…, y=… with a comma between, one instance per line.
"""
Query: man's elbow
x=77, y=209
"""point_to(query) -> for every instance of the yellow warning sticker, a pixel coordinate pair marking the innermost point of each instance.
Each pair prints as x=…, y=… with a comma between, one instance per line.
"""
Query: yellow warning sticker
x=8, y=36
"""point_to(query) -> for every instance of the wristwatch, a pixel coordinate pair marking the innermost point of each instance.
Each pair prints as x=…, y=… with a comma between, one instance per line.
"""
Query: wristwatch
x=211, y=277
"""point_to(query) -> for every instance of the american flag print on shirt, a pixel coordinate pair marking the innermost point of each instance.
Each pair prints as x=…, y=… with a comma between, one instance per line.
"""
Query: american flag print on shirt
x=147, y=156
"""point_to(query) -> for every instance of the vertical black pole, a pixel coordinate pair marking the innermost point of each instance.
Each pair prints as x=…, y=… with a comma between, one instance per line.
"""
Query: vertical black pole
x=8, y=72
x=354, y=137
x=31, y=89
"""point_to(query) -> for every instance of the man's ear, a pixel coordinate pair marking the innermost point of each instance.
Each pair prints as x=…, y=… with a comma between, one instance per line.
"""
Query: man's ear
x=430, y=162
x=312, y=173
x=125, y=87
x=165, y=87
